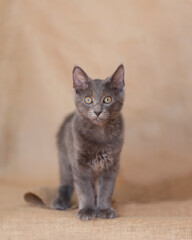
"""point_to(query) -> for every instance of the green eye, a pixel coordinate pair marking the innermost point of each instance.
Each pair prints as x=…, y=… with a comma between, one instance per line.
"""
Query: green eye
x=107, y=100
x=88, y=100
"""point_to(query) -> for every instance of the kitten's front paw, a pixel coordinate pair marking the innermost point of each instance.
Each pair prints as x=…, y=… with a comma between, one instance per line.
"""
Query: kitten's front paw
x=60, y=204
x=107, y=213
x=86, y=214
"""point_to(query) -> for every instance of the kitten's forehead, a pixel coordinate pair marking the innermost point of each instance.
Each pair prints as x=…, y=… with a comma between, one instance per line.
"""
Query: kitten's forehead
x=97, y=87
x=97, y=84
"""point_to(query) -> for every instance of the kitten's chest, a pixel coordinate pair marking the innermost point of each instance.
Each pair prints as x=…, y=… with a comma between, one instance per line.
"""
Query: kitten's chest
x=100, y=161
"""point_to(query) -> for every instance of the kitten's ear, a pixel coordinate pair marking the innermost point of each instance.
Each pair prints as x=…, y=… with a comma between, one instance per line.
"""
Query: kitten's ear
x=80, y=79
x=117, y=79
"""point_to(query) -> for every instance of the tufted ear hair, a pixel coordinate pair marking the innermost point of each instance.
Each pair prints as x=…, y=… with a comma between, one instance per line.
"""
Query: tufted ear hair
x=80, y=79
x=117, y=79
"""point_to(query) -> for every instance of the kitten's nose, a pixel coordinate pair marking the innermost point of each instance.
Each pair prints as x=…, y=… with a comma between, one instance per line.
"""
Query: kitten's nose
x=97, y=112
x=97, y=109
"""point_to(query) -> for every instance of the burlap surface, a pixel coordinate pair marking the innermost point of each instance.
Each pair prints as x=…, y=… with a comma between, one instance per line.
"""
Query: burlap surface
x=152, y=220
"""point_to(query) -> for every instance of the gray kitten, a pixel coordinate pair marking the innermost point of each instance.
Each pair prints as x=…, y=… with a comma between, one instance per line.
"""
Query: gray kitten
x=90, y=142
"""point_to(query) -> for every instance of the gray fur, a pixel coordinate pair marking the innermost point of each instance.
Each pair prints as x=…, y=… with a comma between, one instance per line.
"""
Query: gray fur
x=89, y=143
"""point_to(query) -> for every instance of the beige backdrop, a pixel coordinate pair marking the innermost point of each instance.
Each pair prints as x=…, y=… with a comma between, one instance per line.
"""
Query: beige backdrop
x=41, y=41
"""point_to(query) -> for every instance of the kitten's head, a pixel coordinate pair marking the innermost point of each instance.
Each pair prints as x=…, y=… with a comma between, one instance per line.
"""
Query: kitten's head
x=98, y=100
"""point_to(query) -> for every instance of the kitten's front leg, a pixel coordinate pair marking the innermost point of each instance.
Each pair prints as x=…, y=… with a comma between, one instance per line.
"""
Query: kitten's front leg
x=84, y=185
x=105, y=190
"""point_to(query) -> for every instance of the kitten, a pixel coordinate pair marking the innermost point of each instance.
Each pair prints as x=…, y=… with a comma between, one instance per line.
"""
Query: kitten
x=90, y=142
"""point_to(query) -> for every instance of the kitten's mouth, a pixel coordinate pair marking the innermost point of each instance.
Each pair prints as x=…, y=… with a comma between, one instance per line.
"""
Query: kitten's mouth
x=99, y=120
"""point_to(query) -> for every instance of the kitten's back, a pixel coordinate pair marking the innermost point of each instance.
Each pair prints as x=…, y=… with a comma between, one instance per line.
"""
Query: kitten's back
x=63, y=130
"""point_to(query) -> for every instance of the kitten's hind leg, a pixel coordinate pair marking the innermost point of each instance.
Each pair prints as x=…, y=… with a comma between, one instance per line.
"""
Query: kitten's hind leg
x=62, y=201
x=65, y=191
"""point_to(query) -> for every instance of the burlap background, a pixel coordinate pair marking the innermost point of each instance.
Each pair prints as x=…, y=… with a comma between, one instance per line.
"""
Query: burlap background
x=41, y=41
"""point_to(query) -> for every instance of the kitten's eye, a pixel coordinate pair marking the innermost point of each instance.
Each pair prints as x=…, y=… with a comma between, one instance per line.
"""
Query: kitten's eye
x=107, y=100
x=88, y=100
